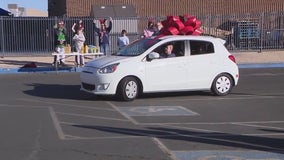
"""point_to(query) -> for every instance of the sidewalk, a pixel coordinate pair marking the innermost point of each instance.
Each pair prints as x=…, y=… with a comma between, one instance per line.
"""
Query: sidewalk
x=41, y=61
x=242, y=58
x=259, y=58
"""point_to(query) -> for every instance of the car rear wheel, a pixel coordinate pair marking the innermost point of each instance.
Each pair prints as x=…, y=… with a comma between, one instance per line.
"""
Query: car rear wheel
x=128, y=89
x=222, y=85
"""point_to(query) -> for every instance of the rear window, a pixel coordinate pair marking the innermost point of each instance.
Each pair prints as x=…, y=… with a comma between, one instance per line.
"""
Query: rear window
x=201, y=47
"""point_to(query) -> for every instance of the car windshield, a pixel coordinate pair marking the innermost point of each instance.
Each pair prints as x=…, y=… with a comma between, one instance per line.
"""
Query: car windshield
x=137, y=47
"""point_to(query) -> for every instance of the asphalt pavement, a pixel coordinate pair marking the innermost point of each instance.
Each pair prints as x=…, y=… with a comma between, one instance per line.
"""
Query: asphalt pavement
x=45, y=116
x=22, y=64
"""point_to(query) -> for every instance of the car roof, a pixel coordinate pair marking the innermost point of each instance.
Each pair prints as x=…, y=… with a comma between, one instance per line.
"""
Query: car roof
x=191, y=37
x=186, y=37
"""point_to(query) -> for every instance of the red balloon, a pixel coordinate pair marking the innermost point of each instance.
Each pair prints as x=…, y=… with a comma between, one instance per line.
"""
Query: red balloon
x=191, y=21
x=188, y=30
x=197, y=32
x=178, y=24
x=171, y=31
x=197, y=24
x=184, y=25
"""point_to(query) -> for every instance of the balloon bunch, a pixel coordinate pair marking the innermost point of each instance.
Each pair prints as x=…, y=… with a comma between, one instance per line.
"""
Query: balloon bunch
x=181, y=25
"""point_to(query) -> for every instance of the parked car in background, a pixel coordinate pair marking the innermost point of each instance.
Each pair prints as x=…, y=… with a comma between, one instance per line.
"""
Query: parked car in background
x=200, y=63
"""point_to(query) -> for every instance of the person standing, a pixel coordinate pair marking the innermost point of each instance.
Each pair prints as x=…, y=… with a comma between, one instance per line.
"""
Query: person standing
x=79, y=40
x=150, y=30
x=158, y=29
x=60, y=35
x=122, y=40
x=103, y=33
x=75, y=28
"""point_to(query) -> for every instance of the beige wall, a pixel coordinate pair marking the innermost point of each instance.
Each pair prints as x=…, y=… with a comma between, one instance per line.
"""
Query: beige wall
x=35, y=13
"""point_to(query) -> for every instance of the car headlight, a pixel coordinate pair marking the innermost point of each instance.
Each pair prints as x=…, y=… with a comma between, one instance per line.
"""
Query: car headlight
x=108, y=69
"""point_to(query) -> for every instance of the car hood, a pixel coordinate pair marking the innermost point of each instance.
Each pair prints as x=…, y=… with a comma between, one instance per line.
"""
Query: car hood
x=103, y=61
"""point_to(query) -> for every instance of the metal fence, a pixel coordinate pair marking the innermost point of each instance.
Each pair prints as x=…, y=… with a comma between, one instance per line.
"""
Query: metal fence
x=35, y=36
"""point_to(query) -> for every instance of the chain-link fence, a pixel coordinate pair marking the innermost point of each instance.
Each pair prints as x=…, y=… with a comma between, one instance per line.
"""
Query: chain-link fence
x=35, y=36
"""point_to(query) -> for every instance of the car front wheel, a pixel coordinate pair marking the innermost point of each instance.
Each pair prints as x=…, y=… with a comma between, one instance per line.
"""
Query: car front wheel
x=222, y=85
x=128, y=89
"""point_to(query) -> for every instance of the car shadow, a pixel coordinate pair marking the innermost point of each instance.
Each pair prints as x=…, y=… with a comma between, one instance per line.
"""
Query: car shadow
x=59, y=91
x=174, y=94
x=274, y=145
x=273, y=130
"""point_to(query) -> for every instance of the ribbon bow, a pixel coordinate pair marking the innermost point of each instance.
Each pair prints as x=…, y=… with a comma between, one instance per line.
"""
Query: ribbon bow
x=181, y=25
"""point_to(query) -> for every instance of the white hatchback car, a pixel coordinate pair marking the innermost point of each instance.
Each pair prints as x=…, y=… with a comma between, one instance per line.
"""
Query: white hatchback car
x=200, y=63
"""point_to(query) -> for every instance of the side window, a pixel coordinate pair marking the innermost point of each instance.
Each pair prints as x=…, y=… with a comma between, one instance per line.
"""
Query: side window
x=201, y=47
x=177, y=49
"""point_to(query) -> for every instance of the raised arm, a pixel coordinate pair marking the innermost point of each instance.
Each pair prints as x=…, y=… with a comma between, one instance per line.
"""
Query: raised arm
x=73, y=28
x=96, y=29
x=108, y=29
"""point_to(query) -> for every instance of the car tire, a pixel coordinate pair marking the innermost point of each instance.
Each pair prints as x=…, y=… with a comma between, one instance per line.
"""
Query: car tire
x=222, y=85
x=128, y=89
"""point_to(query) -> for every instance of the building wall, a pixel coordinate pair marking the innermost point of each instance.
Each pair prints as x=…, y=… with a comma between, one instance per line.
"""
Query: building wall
x=35, y=13
x=58, y=8
x=148, y=8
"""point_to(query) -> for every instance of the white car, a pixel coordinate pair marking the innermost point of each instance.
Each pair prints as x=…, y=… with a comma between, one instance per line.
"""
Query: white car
x=201, y=63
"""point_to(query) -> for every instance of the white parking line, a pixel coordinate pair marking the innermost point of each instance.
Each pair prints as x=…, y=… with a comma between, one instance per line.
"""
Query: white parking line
x=258, y=126
x=89, y=116
x=228, y=154
x=214, y=123
x=229, y=97
x=69, y=105
x=56, y=124
x=221, y=133
x=125, y=115
x=164, y=148
x=22, y=106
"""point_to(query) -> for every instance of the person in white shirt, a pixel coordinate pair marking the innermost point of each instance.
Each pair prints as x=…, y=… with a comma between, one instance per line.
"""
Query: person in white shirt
x=122, y=40
x=79, y=40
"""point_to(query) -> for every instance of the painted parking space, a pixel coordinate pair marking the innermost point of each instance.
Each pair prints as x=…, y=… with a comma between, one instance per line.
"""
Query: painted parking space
x=227, y=155
x=157, y=111
x=235, y=126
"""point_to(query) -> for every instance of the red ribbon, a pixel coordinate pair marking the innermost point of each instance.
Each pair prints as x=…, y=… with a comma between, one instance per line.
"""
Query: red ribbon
x=181, y=25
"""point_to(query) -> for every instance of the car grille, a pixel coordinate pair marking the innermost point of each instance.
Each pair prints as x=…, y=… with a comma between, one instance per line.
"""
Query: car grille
x=89, y=87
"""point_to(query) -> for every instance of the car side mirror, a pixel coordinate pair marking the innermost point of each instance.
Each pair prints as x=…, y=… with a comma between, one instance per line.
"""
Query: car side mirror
x=154, y=55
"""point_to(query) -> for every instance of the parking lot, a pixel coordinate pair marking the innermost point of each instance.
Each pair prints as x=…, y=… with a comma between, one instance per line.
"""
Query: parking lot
x=45, y=116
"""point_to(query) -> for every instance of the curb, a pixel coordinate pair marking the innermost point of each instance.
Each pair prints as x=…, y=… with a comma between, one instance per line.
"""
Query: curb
x=262, y=65
x=79, y=69
x=39, y=70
